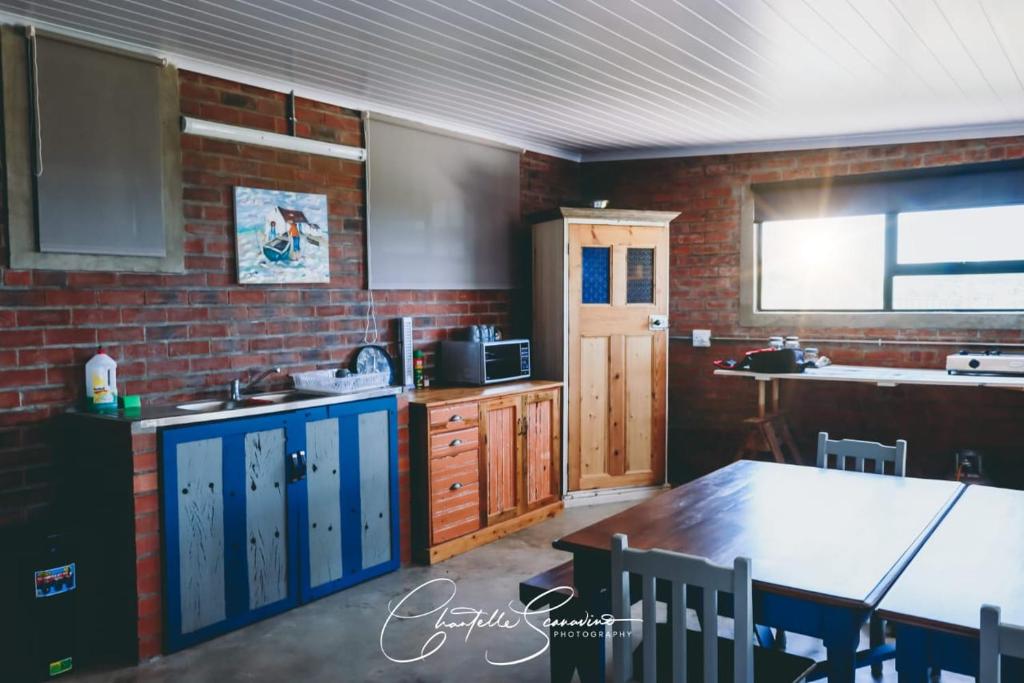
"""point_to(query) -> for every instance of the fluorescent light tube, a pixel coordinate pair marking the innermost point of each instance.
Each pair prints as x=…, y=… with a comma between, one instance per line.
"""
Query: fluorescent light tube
x=251, y=136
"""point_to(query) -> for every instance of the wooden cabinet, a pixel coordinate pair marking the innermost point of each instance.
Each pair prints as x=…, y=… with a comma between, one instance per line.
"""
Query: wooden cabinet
x=485, y=462
x=601, y=326
x=261, y=514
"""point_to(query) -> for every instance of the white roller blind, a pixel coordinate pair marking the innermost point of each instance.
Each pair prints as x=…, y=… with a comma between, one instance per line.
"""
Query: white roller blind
x=443, y=211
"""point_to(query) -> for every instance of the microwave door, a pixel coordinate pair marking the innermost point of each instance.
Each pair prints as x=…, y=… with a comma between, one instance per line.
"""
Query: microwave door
x=502, y=362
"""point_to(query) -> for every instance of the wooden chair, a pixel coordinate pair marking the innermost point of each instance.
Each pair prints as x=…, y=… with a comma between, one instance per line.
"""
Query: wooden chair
x=862, y=451
x=997, y=639
x=691, y=656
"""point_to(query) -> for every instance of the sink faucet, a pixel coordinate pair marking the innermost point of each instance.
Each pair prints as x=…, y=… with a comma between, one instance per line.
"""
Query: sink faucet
x=236, y=389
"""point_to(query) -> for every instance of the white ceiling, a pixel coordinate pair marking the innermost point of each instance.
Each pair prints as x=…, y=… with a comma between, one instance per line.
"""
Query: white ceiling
x=596, y=79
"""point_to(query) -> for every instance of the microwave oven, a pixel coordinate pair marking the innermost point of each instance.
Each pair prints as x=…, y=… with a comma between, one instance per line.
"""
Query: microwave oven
x=485, y=362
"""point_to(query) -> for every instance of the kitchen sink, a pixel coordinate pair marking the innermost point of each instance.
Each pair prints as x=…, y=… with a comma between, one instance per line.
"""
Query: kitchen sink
x=251, y=401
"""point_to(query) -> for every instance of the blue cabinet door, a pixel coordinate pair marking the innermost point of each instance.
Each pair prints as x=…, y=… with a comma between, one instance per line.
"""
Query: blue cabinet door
x=351, y=519
x=231, y=507
x=248, y=534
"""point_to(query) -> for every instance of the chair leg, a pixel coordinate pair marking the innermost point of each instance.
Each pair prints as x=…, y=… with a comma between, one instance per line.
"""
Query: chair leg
x=780, y=639
x=876, y=637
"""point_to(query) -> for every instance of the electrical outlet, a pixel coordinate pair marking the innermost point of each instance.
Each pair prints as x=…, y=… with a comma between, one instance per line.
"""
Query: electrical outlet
x=702, y=337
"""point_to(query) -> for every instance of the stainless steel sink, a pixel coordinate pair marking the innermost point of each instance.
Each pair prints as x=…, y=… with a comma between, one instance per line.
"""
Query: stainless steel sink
x=253, y=401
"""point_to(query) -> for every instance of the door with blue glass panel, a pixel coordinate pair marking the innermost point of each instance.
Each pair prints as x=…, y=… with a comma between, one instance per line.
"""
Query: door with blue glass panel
x=231, y=538
x=618, y=355
x=351, y=520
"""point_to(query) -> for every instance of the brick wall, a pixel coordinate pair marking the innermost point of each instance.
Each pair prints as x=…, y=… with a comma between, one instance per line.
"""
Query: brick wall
x=177, y=337
x=705, y=412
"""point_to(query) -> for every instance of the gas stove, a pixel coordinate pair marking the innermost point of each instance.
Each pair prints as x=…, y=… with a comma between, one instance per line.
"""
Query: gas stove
x=985, y=363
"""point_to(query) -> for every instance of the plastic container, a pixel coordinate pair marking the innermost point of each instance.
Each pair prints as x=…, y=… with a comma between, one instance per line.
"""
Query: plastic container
x=328, y=381
x=101, y=382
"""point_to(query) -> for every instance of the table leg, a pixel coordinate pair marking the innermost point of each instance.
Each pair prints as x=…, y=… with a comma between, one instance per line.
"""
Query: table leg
x=911, y=654
x=761, y=402
x=841, y=638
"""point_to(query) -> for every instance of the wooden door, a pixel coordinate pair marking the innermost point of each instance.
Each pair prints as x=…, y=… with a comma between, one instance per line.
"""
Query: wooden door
x=230, y=536
x=500, y=432
x=351, y=496
x=618, y=280
x=542, y=447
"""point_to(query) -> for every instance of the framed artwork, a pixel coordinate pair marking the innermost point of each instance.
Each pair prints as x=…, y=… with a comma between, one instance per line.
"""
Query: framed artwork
x=281, y=237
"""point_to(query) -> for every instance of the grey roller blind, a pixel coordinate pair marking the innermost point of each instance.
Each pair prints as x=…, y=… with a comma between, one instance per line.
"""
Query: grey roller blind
x=950, y=187
x=101, y=187
x=443, y=211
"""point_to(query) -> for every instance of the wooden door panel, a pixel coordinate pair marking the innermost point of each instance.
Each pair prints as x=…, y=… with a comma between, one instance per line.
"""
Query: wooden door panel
x=323, y=496
x=593, y=401
x=639, y=403
x=200, y=527
x=375, y=487
x=542, y=448
x=500, y=422
x=266, y=518
x=617, y=389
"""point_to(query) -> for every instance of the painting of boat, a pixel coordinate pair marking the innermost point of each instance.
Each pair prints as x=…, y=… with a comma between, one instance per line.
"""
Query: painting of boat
x=281, y=236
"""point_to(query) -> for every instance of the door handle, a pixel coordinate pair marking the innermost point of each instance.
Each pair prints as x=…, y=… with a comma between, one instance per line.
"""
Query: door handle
x=296, y=466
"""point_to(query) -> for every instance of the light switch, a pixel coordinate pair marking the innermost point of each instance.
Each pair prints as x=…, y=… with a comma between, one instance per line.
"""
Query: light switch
x=702, y=337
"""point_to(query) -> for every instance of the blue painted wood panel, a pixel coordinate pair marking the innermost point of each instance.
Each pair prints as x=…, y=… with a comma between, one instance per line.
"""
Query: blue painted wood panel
x=374, y=489
x=266, y=517
x=323, y=501
x=200, y=533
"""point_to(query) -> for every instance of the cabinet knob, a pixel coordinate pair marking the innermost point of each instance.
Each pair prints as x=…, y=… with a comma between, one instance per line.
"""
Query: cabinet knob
x=455, y=442
x=455, y=418
x=455, y=487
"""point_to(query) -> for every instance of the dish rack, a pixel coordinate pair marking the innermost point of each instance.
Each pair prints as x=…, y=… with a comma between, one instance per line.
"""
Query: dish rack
x=324, y=380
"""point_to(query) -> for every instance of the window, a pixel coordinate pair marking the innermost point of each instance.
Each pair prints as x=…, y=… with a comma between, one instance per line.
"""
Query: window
x=947, y=260
x=93, y=156
x=596, y=275
x=897, y=249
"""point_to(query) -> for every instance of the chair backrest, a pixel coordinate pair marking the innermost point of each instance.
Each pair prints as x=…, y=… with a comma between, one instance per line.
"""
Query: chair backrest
x=680, y=571
x=997, y=639
x=862, y=451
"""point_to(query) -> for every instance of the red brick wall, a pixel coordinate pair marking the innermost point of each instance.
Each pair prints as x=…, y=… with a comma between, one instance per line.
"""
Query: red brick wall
x=705, y=412
x=180, y=336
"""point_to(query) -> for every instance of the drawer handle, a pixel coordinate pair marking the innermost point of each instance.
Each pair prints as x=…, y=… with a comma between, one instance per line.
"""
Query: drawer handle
x=455, y=443
x=455, y=487
x=455, y=418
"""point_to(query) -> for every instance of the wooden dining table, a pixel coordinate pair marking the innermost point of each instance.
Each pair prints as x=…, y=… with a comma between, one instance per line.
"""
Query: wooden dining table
x=975, y=556
x=825, y=545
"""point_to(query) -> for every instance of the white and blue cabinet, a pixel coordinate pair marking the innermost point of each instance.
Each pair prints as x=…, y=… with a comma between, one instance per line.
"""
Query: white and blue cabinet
x=261, y=514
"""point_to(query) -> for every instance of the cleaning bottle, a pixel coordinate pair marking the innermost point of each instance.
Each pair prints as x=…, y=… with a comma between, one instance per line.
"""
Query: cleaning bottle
x=101, y=382
x=417, y=368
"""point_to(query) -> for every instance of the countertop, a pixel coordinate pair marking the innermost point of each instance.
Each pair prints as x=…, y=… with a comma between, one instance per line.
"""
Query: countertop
x=442, y=395
x=150, y=418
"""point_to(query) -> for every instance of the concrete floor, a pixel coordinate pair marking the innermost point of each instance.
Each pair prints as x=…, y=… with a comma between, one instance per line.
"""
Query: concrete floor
x=338, y=639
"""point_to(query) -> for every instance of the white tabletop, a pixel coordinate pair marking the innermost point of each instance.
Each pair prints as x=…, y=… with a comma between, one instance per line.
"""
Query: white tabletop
x=884, y=377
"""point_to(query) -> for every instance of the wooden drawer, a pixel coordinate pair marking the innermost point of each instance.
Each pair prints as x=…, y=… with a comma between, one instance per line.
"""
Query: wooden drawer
x=446, y=443
x=456, y=416
x=462, y=468
x=455, y=495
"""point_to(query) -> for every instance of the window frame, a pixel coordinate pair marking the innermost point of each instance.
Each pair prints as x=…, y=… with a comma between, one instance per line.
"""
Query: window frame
x=751, y=315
